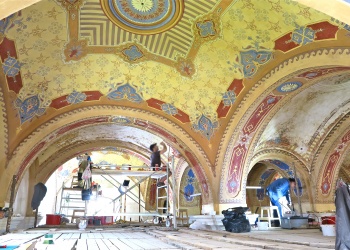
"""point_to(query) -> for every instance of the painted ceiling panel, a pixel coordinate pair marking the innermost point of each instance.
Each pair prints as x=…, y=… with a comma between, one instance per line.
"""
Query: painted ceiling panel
x=311, y=111
x=115, y=157
x=53, y=63
x=110, y=131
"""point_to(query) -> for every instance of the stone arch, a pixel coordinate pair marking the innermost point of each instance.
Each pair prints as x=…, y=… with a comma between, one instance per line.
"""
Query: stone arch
x=272, y=157
x=331, y=164
x=3, y=130
x=273, y=163
x=41, y=138
x=239, y=153
x=53, y=162
x=261, y=175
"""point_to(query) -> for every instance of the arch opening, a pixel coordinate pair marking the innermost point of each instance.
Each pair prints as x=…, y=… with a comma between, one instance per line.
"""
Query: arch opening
x=262, y=174
x=64, y=193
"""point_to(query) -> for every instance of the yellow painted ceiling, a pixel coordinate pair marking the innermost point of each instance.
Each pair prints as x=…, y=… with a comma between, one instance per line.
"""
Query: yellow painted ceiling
x=116, y=158
x=41, y=33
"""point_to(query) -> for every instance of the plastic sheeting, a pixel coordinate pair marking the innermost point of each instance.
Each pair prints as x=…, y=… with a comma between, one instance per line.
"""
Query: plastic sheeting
x=39, y=194
x=342, y=203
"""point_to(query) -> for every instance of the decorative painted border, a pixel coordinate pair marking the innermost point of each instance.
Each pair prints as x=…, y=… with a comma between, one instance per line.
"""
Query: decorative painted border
x=282, y=65
x=49, y=161
x=332, y=162
x=199, y=37
x=29, y=157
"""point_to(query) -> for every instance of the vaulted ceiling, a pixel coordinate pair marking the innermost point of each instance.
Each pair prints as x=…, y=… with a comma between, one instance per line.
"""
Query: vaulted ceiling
x=191, y=73
x=309, y=115
x=70, y=52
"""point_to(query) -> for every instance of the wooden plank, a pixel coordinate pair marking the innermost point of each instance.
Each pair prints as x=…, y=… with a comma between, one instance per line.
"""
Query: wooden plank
x=15, y=242
x=84, y=236
x=108, y=236
x=2, y=241
x=97, y=236
x=161, y=244
x=92, y=245
x=146, y=244
x=27, y=245
x=110, y=245
x=66, y=244
x=144, y=235
x=119, y=235
x=138, y=235
x=126, y=236
x=121, y=245
x=56, y=235
x=75, y=236
x=105, y=244
x=131, y=243
x=69, y=243
x=66, y=236
x=81, y=245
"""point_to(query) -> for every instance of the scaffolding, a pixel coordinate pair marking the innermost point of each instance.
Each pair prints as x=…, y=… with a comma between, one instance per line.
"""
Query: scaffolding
x=71, y=197
x=134, y=171
x=70, y=200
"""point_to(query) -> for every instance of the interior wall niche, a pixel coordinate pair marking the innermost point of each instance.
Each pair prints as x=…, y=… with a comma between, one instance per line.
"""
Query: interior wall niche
x=188, y=186
x=263, y=174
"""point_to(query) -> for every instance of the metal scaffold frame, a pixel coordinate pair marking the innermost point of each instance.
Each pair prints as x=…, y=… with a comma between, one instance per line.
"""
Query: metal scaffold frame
x=146, y=175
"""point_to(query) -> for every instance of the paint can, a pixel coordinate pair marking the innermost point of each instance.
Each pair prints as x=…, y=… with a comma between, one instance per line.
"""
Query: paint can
x=53, y=219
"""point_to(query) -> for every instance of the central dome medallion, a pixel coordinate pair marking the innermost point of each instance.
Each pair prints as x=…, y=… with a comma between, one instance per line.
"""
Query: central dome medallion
x=144, y=17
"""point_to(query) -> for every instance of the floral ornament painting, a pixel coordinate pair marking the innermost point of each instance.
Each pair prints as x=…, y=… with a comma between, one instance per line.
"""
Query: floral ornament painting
x=126, y=92
x=205, y=126
x=29, y=108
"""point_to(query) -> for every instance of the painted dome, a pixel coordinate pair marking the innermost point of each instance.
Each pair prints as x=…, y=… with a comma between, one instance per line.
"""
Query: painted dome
x=143, y=16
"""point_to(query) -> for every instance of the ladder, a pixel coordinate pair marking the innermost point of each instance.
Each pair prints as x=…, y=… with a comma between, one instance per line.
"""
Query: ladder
x=161, y=208
x=71, y=199
x=160, y=198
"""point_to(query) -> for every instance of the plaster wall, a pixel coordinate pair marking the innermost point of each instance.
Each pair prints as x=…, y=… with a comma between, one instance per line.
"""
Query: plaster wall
x=295, y=124
x=21, y=200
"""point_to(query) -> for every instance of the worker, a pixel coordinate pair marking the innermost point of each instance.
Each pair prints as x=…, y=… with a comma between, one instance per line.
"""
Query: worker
x=156, y=163
x=278, y=191
x=155, y=156
x=82, y=166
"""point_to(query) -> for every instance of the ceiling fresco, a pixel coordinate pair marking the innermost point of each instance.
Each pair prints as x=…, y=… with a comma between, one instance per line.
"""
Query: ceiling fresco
x=311, y=111
x=70, y=168
x=193, y=73
x=132, y=135
x=115, y=158
x=62, y=65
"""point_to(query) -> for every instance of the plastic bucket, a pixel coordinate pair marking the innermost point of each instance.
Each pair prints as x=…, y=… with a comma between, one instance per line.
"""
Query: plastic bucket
x=53, y=219
x=328, y=230
x=328, y=220
x=328, y=226
x=262, y=226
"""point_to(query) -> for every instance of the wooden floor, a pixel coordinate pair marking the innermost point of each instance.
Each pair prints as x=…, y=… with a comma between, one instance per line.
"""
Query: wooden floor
x=124, y=240
x=161, y=238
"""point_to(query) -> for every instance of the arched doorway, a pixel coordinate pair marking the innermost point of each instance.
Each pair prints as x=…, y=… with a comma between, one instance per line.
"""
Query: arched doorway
x=103, y=201
x=262, y=175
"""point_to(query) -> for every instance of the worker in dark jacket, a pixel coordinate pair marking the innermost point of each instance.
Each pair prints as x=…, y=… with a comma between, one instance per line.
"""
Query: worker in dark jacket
x=155, y=156
x=278, y=191
x=156, y=163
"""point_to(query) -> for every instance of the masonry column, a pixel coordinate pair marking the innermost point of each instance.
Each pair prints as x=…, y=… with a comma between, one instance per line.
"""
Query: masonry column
x=32, y=182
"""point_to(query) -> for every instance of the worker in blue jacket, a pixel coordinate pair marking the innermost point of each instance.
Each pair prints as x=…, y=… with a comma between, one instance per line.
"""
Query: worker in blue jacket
x=278, y=191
